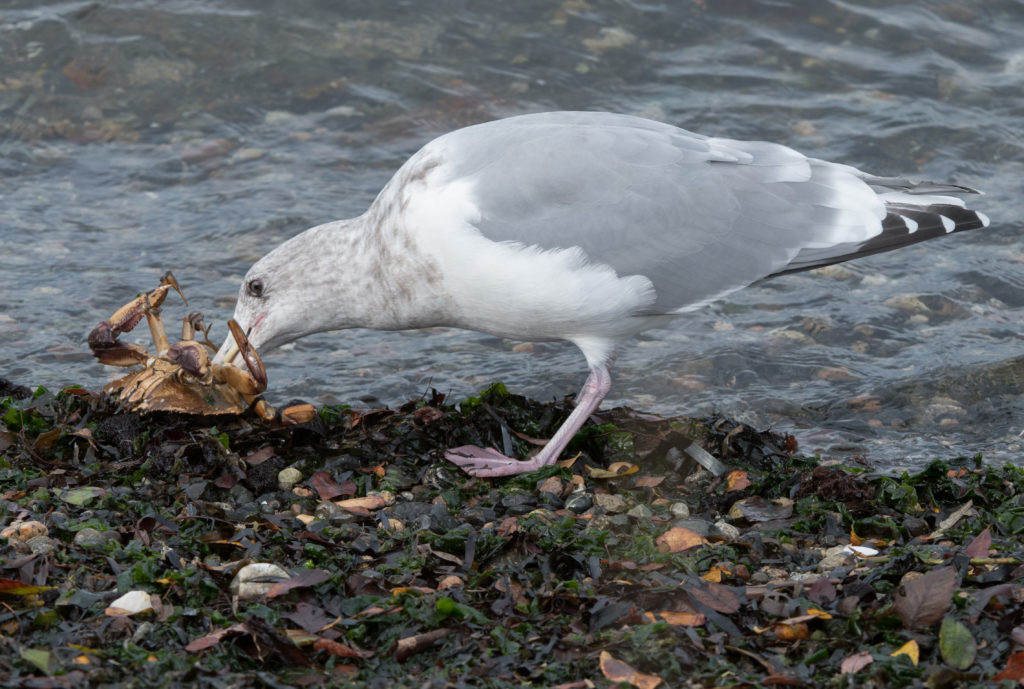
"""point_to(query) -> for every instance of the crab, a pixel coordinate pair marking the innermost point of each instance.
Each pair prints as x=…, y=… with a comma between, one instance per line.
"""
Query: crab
x=180, y=377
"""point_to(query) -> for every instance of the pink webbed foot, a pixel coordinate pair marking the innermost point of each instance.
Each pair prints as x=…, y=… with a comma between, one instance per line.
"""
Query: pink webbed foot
x=488, y=463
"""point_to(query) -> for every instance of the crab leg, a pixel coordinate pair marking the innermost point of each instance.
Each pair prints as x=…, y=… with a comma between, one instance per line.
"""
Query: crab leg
x=248, y=383
x=103, y=338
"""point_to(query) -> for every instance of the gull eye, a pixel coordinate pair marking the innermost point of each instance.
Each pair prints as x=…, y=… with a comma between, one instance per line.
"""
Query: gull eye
x=255, y=287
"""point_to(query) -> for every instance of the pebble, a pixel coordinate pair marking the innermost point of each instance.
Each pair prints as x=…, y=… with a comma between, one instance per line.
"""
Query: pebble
x=40, y=545
x=679, y=510
x=698, y=526
x=724, y=530
x=519, y=503
x=578, y=503
x=288, y=477
x=328, y=512
x=610, y=503
x=93, y=538
x=640, y=512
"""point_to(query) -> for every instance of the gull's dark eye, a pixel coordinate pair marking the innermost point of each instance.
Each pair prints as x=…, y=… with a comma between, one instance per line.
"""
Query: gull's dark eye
x=255, y=287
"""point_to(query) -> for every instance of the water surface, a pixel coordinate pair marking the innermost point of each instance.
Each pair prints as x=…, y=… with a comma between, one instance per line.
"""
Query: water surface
x=137, y=136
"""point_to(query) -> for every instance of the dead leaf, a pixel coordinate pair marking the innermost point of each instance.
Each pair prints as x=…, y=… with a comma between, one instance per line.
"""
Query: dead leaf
x=340, y=650
x=618, y=671
x=649, y=481
x=980, y=545
x=677, y=539
x=677, y=618
x=362, y=506
x=736, y=480
x=909, y=649
x=922, y=601
x=614, y=470
x=309, y=577
x=855, y=663
x=717, y=597
x=327, y=488
x=757, y=509
x=792, y=632
x=1014, y=669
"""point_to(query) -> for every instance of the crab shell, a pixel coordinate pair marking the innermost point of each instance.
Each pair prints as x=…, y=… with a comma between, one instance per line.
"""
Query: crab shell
x=161, y=387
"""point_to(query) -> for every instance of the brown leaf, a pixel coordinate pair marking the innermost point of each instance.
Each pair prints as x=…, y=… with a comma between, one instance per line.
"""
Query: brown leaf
x=923, y=600
x=736, y=480
x=678, y=618
x=855, y=663
x=677, y=539
x=821, y=591
x=1014, y=669
x=340, y=650
x=980, y=545
x=717, y=597
x=327, y=488
x=214, y=637
x=259, y=456
x=618, y=671
x=309, y=577
x=649, y=481
x=792, y=632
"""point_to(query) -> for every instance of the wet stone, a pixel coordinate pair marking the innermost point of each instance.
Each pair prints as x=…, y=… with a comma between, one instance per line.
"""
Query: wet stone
x=519, y=503
x=478, y=515
x=93, y=538
x=424, y=515
x=610, y=503
x=680, y=510
x=579, y=503
x=41, y=545
x=725, y=530
x=329, y=512
x=698, y=526
x=640, y=512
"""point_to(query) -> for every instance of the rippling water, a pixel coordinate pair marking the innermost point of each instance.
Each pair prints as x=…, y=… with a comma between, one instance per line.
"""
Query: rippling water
x=137, y=136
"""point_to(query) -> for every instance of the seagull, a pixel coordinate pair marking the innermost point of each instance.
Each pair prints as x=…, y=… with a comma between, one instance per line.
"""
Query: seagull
x=588, y=227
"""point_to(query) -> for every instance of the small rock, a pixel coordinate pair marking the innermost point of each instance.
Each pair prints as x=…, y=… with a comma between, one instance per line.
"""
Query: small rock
x=478, y=515
x=425, y=516
x=835, y=558
x=40, y=545
x=93, y=538
x=640, y=512
x=519, y=503
x=724, y=530
x=327, y=511
x=552, y=485
x=698, y=526
x=578, y=503
x=679, y=510
x=20, y=530
x=288, y=477
x=609, y=37
x=610, y=503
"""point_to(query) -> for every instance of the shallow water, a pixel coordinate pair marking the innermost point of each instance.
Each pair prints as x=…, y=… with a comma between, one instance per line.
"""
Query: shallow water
x=137, y=136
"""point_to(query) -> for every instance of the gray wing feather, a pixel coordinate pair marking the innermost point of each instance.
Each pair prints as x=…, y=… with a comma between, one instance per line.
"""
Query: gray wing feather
x=651, y=199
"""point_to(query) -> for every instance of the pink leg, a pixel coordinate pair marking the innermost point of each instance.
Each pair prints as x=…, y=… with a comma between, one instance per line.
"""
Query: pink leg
x=478, y=461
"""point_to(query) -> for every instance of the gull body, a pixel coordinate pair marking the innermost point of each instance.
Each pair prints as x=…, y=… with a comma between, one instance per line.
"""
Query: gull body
x=580, y=226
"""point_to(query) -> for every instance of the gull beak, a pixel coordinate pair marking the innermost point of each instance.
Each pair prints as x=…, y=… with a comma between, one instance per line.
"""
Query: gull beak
x=228, y=353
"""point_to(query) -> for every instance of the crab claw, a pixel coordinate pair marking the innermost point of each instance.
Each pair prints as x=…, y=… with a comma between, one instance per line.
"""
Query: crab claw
x=192, y=357
x=251, y=382
x=105, y=347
